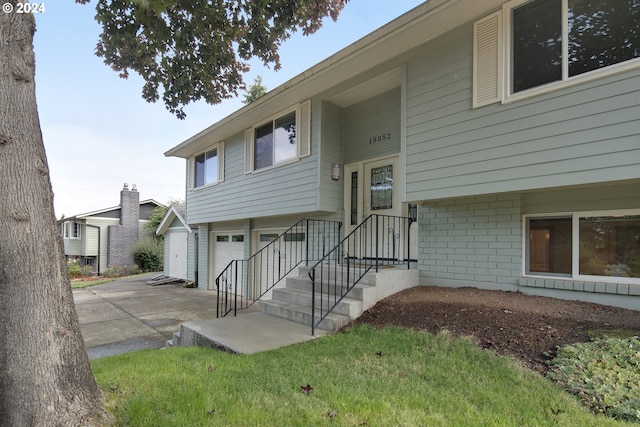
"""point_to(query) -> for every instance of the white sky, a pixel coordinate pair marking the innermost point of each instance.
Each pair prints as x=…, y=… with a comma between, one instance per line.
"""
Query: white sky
x=98, y=131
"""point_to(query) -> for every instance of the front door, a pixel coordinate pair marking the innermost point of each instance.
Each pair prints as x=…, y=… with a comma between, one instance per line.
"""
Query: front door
x=371, y=189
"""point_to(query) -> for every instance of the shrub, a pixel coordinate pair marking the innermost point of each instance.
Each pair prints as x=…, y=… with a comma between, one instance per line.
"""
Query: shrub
x=148, y=255
x=73, y=268
x=121, y=271
x=604, y=374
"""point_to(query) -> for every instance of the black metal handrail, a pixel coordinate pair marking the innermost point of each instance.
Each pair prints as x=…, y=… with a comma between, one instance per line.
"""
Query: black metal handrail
x=243, y=282
x=380, y=240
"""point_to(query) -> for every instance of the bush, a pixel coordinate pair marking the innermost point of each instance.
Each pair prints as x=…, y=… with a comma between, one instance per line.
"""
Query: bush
x=148, y=255
x=121, y=271
x=604, y=374
x=73, y=268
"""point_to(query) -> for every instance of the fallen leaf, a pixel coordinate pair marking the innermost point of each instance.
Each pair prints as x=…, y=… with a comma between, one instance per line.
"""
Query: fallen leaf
x=379, y=354
x=333, y=413
x=211, y=412
x=403, y=373
x=212, y=368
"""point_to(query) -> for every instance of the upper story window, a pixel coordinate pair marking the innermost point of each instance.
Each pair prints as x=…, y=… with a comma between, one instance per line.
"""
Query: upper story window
x=284, y=138
x=275, y=141
x=551, y=42
x=71, y=230
x=208, y=167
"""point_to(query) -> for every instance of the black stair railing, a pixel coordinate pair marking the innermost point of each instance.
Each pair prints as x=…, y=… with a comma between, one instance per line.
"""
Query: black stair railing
x=243, y=282
x=379, y=241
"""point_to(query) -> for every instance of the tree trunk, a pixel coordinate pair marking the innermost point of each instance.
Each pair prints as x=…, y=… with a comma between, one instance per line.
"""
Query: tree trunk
x=45, y=377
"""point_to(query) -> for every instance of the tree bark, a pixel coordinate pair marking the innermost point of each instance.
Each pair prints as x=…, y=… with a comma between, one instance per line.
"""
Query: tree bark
x=45, y=376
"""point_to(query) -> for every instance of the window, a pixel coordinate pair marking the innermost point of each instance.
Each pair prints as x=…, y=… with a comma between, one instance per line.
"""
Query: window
x=550, y=42
x=550, y=246
x=536, y=44
x=601, y=245
x=71, y=230
x=610, y=245
x=382, y=188
x=208, y=167
x=282, y=139
x=555, y=40
x=275, y=142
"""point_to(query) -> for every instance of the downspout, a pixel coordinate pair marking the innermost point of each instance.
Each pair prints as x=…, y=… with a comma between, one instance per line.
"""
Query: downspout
x=98, y=260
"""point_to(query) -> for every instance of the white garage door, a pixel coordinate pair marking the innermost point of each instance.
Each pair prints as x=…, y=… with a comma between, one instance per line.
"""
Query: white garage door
x=177, y=254
x=226, y=247
x=275, y=259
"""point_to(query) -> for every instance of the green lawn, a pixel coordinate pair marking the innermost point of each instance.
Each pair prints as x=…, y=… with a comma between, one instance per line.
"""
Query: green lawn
x=366, y=377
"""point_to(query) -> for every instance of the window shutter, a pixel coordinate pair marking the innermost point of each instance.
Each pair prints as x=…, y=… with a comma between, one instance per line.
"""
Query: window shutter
x=304, y=139
x=487, y=60
x=248, y=150
x=221, y=162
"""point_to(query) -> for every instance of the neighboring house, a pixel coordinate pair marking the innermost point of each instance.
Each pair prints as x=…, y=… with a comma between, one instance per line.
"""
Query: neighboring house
x=104, y=238
x=177, y=235
x=513, y=126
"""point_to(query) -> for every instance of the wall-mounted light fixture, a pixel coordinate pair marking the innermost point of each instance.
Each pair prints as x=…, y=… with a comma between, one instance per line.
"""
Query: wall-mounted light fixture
x=335, y=171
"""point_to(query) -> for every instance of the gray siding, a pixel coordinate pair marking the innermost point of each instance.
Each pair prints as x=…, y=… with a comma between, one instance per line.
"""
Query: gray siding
x=104, y=224
x=577, y=135
x=278, y=191
x=369, y=119
x=192, y=258
x=624, y=196
x=331, y=192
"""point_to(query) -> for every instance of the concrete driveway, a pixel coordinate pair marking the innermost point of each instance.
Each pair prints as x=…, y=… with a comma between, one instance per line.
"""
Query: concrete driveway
x=128, y=315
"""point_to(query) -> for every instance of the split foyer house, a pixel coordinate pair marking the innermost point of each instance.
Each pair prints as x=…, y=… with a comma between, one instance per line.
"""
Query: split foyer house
x=507, y=132
x=104, y=238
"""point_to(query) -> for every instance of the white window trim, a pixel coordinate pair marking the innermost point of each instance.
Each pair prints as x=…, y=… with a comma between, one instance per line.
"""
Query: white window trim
x=504, y=39
x=575, y=245
x=303, y=137
x=67, y=230
x=192, y=167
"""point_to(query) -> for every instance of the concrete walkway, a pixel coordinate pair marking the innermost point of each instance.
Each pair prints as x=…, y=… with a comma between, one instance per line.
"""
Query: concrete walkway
x=127, y=315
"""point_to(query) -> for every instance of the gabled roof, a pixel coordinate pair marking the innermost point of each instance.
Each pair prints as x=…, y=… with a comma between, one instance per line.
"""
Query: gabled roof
x=114, y=208
x=421, y=24
x=174, y=211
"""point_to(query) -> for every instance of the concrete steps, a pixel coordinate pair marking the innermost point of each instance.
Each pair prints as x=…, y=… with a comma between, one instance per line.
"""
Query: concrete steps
x=294, y=301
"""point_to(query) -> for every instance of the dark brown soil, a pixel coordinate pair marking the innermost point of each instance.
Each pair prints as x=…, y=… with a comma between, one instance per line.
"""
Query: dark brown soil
x=508, y=323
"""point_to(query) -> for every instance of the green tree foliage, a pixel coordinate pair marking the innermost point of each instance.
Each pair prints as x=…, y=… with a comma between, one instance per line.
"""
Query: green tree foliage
x=185, y=52
x=198, y=49
x=255, y=91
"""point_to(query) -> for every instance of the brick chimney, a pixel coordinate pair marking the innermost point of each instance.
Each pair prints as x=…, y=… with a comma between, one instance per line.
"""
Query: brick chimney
x=123, y=236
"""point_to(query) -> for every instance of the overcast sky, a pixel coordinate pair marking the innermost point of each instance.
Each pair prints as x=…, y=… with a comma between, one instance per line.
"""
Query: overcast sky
x=98, y=131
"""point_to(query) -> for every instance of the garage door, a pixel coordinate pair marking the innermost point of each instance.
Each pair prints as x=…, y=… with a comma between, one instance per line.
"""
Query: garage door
x=225, y=247
x=274, y=260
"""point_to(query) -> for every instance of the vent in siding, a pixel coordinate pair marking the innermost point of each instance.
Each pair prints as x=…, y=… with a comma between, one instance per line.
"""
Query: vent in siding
x=487, y=60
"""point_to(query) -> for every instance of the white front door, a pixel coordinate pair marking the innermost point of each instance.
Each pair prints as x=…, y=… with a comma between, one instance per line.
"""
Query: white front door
x=371, y=189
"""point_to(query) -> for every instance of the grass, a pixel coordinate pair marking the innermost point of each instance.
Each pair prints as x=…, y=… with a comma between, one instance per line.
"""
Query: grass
x=79, y=285
x=365, y=377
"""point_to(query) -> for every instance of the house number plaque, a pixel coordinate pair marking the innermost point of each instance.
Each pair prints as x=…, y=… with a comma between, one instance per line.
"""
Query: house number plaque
x=380, y=138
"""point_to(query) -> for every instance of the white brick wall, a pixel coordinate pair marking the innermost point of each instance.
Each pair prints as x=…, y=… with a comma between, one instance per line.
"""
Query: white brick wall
x=473, y=239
